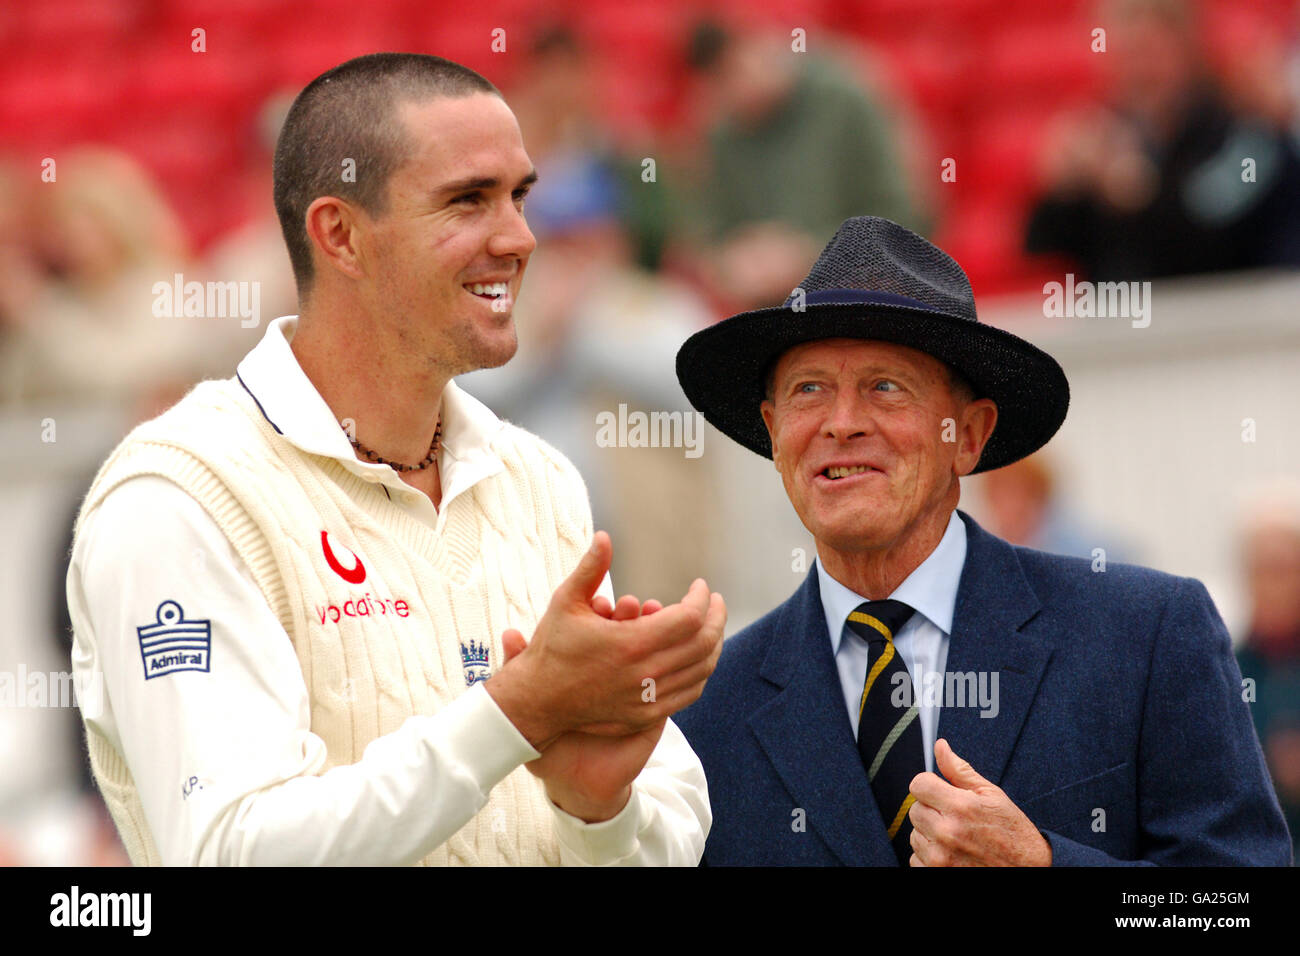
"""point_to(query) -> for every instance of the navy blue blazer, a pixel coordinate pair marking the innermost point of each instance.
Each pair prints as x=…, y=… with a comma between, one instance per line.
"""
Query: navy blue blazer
x=1117, y=692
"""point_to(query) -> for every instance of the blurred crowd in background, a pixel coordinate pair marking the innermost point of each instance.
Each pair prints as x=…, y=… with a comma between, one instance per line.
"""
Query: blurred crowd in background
x=691, y=166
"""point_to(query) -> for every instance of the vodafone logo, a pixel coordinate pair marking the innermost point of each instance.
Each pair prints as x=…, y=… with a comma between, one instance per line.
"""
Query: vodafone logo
x=353, y=575
x=354, y=604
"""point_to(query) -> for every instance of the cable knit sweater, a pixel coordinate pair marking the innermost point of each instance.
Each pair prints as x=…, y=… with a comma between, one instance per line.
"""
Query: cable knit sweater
x=390, y=634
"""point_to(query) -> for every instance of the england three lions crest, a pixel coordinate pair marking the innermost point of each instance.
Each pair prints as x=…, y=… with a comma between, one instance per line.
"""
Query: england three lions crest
x=477, y=661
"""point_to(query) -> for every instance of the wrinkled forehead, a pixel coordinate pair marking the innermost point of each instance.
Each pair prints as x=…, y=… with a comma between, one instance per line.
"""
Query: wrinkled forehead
x=852, y=353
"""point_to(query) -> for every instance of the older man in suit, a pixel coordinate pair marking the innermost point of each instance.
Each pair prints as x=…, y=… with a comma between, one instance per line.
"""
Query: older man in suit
x=1075, y=715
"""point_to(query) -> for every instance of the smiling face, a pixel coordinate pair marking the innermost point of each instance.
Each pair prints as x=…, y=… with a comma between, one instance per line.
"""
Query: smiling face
x=447, y=256
x=858, y=434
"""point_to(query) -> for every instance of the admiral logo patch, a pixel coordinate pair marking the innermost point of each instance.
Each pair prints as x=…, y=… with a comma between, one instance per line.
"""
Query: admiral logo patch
x=173, y=644
x=476, y=658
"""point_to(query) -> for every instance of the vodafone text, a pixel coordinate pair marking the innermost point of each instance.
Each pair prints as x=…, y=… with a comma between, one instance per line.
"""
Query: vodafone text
x=362, y=606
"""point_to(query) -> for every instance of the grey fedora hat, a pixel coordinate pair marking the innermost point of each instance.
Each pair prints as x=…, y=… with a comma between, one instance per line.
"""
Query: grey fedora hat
x=877, y=280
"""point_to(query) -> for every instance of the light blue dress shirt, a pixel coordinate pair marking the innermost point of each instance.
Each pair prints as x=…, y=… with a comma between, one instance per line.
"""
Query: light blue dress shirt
x=922, y=643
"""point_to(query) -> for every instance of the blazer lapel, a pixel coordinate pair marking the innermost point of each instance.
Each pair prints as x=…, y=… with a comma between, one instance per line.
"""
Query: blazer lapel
x=805, y=733
x=994, y=600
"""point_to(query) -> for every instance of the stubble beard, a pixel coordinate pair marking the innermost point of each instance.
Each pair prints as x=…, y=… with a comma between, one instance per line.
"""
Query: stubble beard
x=471, y=352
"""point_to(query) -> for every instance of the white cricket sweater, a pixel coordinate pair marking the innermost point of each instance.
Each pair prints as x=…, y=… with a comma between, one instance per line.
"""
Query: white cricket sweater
x=389, y=623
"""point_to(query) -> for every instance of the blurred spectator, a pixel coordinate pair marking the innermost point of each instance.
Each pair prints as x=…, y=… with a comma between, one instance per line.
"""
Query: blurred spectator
x=106, y=236
x=1258, y=66
x=1152, y=183
x=1270, y=653
x=255, y=251
x=796, y=147
x=554, y=98
x=1024, y=507
x=22, y=275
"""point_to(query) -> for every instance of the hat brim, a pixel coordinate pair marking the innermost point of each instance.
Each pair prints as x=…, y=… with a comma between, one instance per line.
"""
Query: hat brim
x=722, y=368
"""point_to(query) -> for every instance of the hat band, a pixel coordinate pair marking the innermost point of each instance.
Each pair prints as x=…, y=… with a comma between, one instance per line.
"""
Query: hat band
x=860, y=297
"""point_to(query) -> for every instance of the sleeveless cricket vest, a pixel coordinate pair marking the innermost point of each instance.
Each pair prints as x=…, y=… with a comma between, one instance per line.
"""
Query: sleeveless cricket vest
x=387, y=617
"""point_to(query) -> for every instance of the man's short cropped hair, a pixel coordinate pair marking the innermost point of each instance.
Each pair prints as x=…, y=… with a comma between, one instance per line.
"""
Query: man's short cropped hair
x=343, y=137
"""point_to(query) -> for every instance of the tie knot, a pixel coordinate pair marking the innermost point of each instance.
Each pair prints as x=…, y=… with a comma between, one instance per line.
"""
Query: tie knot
x=879, y=620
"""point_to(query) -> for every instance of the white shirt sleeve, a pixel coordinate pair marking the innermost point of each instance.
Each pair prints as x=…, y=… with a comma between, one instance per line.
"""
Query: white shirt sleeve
x=224, y=759
x=665, y=823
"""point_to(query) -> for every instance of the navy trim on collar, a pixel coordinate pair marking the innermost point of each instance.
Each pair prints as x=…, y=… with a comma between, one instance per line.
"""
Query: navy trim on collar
x=259, y=404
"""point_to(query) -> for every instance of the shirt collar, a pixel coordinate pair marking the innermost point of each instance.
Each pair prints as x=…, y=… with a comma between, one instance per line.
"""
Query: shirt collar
x=931, y=589
x=295, y=409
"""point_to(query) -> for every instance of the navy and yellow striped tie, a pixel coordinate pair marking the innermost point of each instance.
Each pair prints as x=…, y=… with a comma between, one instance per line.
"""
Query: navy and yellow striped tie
x=889, y=725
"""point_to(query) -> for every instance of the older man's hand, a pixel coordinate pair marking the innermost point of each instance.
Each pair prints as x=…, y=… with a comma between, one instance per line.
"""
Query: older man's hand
x=970, y=821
